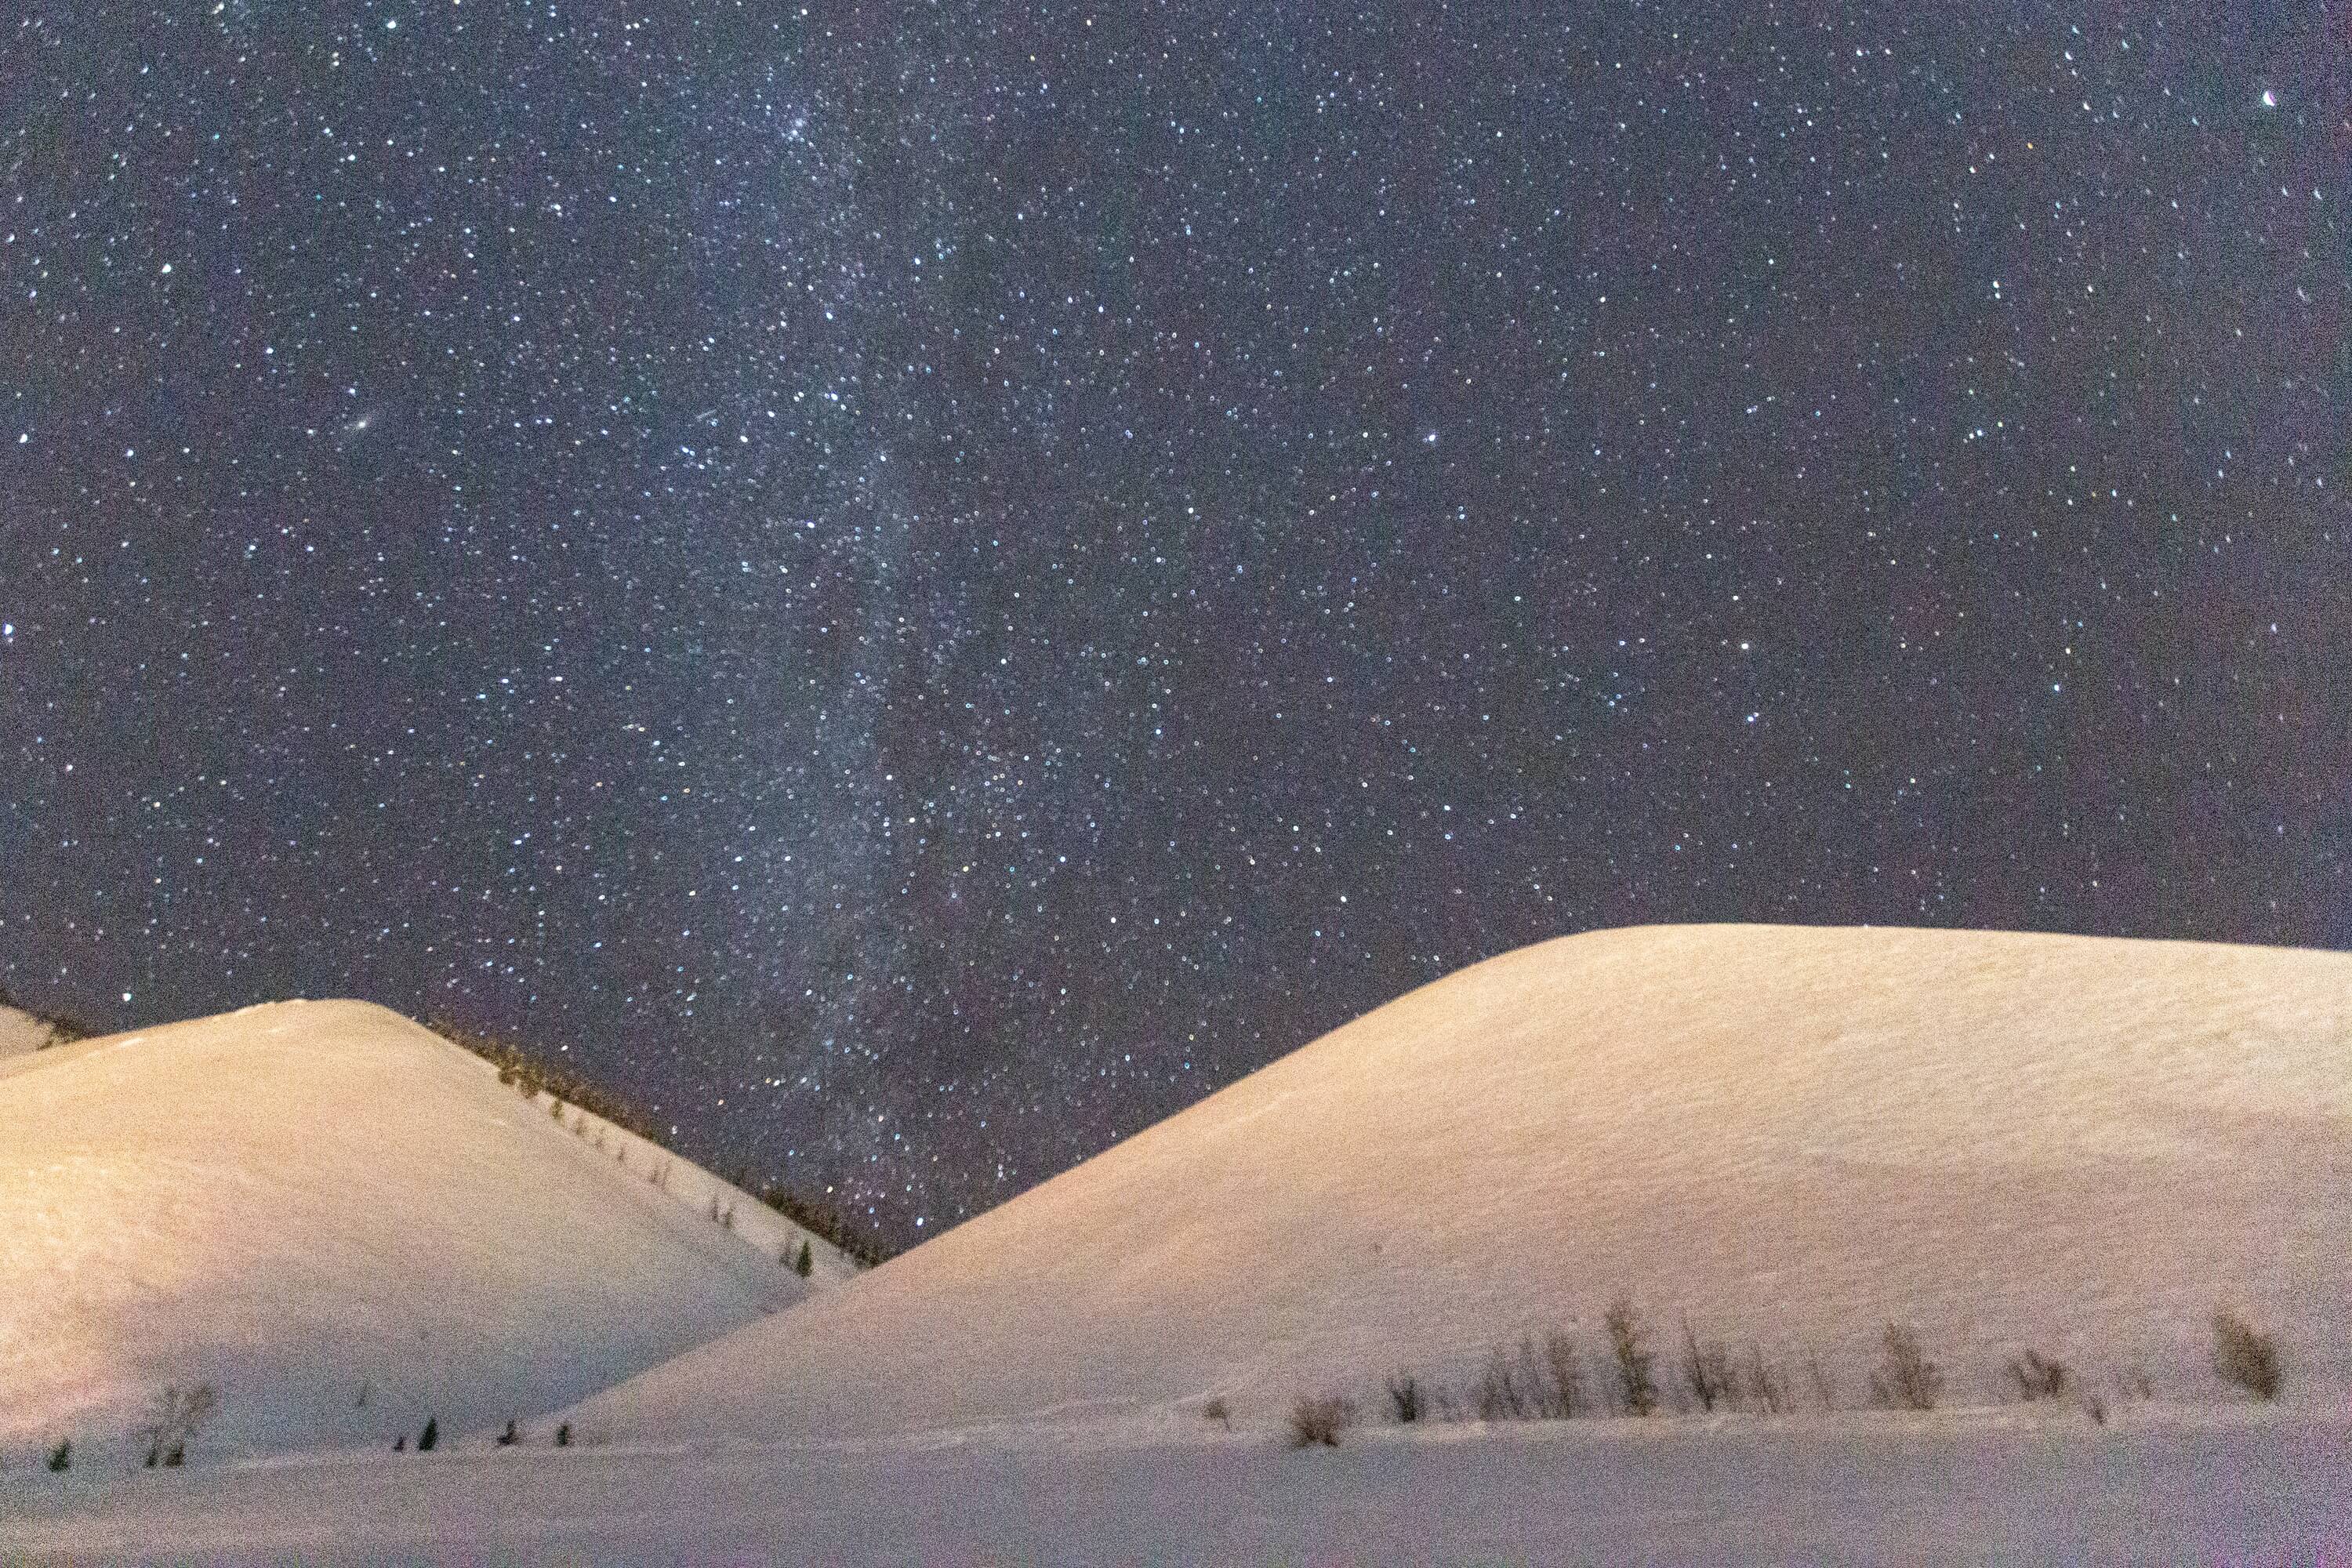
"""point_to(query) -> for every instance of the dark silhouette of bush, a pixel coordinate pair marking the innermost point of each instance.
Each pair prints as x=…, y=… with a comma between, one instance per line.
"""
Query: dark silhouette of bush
x=1313, y=1421
x=511, y=1436
x=2039, y=1378
x=1637, y=1387
x=1705, y=1368
x=805, y=1262
x=61, y=1457
x=430, y=1435
x=1404, y=1397
x=563, y=1435
x=400, y=1444
x=1214, y=1408
x=1906, y=1378
x=2245, y=1357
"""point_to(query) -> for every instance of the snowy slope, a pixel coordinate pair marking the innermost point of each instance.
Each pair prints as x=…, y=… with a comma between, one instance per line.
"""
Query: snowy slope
x=343, y=1223
x=1789, y=1134
x=2232, y=1485
x=21, y=1031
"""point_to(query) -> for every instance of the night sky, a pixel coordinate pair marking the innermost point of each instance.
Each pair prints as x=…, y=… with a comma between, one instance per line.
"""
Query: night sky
x=921, y=586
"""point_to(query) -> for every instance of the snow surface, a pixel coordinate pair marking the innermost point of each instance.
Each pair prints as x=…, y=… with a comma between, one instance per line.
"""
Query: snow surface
x=21, y=1033
x=1791, y=1135
x=2213, y=1485
x=343, y=1223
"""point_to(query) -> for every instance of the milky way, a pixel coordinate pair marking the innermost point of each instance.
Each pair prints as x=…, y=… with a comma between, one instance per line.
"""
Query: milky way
x=921, y=586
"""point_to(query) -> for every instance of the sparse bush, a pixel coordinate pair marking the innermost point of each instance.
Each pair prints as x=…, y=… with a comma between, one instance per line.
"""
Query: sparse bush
x=1313, y=1421
x=1758, y=1384
x=1404, y=1397
x=2039, y=1378
x=1213, y=1409
x=1823, y=1389
x=1906, y=1378
x=1496, y=1395
x=563, y=1435
x=177, y=1417
x=61, y=1457
x=1637, y=1387
x=430, y=1435
x=2243, y=1356
x=400, y=1444
x=511, y=1436
x=1706, y=1368
x=1567, y=1374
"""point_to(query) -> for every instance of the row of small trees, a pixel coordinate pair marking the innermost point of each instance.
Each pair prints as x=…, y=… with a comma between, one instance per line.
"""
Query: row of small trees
x=531, y=1076
x=1545, y=1380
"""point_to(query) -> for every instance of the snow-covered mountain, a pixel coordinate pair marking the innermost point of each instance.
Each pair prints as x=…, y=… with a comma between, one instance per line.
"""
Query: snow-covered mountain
x=343, y=1223
x=1791, y=1136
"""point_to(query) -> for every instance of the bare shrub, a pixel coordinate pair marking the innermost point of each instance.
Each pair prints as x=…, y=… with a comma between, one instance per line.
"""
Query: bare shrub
x=2039, y=1378
x=178, y=1414
x=1758, y=1384
x=2244, y=1356
x=1637, y=1387
x=1496, y=1395
x=1823, y=1389
x=1705, y=1368
x=1906, y=1378
x=1313, y=1421
x=61, y=1457
x=1566, y=1372
x=1404, y=1397
x=1215, y=1409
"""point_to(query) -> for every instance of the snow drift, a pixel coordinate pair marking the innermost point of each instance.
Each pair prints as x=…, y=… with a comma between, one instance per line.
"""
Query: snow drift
x=1789, y=1135
x=343, y=1223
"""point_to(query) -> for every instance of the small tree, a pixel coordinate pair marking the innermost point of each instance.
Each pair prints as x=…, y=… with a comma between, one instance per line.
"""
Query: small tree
x=1313, y=1421
x=1707, y=1368
x=563, y=1435
x=2039, y=1378
x=806, y=1261
x=2245, y=1357
x=1404, y=1397
x=1214, y=1408
x=1906, y=1378
x=61, y=1457
x=1637, y=1388
x=511, y=1436
x=430, y=1435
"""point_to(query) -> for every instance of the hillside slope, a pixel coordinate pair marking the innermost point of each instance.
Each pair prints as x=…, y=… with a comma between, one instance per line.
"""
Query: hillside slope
x=343, y=1223
x=1789, y=1134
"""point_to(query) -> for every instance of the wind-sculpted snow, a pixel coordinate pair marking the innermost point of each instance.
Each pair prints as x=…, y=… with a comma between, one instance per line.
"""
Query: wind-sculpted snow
x=343, y=1224
x=1791, y=1136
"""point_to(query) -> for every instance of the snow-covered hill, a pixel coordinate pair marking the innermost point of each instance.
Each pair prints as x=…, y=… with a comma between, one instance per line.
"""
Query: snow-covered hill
x=1791, y=1135
x=22, y=1032
x=343, y=1223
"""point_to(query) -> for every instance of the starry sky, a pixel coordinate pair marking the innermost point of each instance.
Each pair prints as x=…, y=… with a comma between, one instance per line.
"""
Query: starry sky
x=919, y=585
